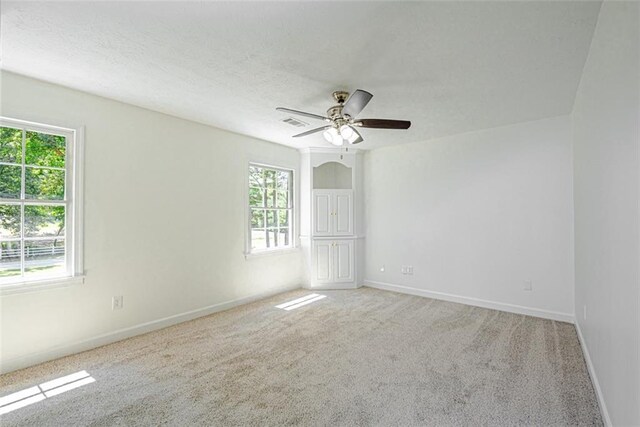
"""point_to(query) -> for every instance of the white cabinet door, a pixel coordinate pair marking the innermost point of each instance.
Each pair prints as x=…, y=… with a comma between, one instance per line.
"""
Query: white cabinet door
x=342, y=214
x=323, y=261
x=322, y=214
x=343, y=267
x=332, y=213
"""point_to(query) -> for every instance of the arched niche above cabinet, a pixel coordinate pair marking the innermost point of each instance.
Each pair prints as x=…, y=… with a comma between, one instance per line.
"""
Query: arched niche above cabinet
x=332, y=175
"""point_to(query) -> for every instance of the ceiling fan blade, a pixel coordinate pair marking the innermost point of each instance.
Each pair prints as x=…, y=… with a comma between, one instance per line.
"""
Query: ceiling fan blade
x=383, y=124
x=356, y=102
x=359, y=139
x=309, y=132
x=302, y=113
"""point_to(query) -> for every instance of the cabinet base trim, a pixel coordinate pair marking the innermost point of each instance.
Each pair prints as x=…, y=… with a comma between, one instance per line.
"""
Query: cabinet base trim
x=335, y=286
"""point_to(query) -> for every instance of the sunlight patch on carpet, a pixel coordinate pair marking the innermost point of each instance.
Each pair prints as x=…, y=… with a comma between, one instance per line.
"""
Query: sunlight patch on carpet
x=299, y=302
x=35, y=394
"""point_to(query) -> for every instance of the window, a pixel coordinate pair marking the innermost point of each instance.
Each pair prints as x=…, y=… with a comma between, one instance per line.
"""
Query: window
x=270, y=208
x=39, y=206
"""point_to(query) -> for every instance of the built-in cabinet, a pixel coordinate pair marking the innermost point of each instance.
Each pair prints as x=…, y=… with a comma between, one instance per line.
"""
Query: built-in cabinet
x=331, y=218
x=334, y=261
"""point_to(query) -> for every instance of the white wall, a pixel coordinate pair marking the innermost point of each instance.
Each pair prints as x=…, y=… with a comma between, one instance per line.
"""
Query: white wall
x=606, y=165
x=164, y=222
x=477, y=215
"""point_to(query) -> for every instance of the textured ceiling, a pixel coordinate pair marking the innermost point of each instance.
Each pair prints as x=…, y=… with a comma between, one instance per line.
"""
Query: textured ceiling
x=449, y=67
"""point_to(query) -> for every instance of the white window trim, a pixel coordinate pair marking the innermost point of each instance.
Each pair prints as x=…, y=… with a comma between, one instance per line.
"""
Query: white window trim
x=295, y=246
x=74, y=187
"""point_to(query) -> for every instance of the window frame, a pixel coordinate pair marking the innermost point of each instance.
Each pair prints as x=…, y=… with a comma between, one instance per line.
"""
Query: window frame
x=73, y=202
x=293, y=241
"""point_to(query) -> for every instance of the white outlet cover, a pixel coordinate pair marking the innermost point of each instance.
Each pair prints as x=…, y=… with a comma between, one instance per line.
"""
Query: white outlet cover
x=117, y=302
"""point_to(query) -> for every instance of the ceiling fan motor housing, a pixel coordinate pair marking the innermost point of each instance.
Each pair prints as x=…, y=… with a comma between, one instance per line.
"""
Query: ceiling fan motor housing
x=340, y=96
x=335, y=112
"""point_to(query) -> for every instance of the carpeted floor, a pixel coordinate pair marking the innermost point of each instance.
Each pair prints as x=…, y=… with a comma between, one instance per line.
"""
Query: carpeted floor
x=362, y=357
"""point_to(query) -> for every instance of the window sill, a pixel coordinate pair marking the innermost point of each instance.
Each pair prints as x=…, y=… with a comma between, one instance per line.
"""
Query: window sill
x=271, y=252
x=40, y=285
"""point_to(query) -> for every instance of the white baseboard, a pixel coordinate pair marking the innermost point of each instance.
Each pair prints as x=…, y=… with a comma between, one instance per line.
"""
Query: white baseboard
x=511, y=308
x=143, y=328
x=594, y=378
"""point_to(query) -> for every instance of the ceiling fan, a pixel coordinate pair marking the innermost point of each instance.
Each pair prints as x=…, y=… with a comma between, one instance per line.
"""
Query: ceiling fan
x=342, y=119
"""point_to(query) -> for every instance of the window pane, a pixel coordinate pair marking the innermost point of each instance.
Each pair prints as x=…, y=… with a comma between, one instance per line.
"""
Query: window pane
x=43, y=221
x=283, y=180
x=44, y=150
x=272, y=218
x=44, y=257
x=271, y=198
x=256, y=178
x=270, y=178
x=10, y=145
x=9, y=259
x=44, y=184
x=282, y=199
x=277, y=237
x=258, y=240
x=283, y=218
x=256, y=196
x=9, y=221
x=284, y=237
x=257, y=218
x=272, y=238
x=10, y=177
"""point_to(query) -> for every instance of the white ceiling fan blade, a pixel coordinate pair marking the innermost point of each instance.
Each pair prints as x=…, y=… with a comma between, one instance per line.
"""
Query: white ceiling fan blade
x=309, y=132
x=302, y=113
x=356, y=103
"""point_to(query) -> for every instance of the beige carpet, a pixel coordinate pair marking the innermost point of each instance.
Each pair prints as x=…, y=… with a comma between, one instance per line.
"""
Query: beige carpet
x=363, y=357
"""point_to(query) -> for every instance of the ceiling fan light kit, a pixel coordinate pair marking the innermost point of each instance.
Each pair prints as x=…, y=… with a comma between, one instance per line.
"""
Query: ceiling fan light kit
x=341, y=118
x=339, y=136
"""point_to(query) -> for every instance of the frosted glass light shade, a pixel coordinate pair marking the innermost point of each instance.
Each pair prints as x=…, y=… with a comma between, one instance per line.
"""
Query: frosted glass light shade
x=330, y=134
x=337, y=140
x=333, y=136
x=346, y=132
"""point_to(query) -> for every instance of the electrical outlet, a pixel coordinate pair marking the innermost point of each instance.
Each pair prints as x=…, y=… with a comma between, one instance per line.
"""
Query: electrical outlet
x=410, y=270
x=117, y=302
x=528, y=285
x=584, y=312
